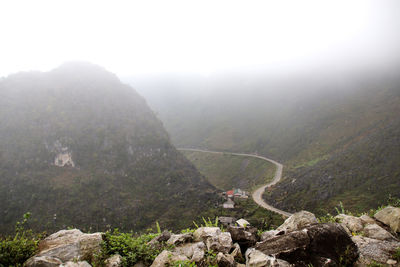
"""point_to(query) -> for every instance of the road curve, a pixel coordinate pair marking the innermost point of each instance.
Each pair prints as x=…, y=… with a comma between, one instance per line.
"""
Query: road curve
x=257, y=194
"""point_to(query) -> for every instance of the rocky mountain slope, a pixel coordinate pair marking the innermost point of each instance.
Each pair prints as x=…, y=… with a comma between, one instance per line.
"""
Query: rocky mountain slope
x=336, y=133
x=79, y=148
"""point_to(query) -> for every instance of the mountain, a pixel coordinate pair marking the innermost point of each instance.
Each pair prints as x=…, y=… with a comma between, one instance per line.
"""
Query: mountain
x=336, y=133
x=80, y=148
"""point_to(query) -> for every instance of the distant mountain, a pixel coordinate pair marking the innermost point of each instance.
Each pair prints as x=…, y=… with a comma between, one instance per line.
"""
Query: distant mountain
x=337, y=134
x=79, y=148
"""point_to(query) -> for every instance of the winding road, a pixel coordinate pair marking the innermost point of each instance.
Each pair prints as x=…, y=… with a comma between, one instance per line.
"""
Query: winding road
x=257, y=194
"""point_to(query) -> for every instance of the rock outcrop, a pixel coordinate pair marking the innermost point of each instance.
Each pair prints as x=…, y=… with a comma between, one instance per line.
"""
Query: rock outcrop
x=299, y=241
x=390, y=216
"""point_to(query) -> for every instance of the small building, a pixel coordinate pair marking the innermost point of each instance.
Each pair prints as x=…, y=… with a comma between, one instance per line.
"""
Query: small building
x=229, y=204
x=230, y=193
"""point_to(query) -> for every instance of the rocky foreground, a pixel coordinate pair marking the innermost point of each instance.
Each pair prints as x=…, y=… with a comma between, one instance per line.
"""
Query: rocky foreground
x=300, y=241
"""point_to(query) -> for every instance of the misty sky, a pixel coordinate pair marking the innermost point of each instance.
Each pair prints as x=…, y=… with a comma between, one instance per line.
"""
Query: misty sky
x=134, y=37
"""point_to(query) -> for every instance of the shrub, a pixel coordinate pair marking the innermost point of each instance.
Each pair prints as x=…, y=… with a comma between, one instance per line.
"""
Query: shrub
x=15, y=250
x=132, y=249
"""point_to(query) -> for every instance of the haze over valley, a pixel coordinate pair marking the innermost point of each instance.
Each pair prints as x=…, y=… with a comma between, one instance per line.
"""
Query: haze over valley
x=213, y=133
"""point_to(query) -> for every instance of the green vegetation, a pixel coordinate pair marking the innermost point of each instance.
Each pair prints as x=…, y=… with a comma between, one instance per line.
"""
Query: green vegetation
x=127, y=174
x=336, y=136
x=15, y=250
x=226, y=171
x=133, y=249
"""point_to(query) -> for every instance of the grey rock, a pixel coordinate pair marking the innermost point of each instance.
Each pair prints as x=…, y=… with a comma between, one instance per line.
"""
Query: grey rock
x=246, y=237
x=237, y=253
x=374, y=250
x=354, y=224
x=180, y=239
x=297, y=221
x=270, y=234
x=193, y=251
x=376, y=232
x=70, y=245
x=255, y=258
x=76, y=264
x=367, y=220
x=202, y=233
x=220, y=243
x=114, y=261
x=389, y=216
x=163, y=237
x=242, y=223
x=314, y=244
x=166, y=258
x=225, y=260
x=43, y=261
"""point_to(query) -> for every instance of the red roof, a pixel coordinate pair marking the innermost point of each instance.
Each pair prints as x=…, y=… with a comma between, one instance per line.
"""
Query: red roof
x=229, y=193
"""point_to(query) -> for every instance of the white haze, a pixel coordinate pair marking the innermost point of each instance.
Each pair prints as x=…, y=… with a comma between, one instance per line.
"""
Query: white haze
x=142, y=37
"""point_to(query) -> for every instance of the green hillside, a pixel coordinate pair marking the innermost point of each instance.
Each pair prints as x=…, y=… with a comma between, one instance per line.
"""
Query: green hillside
x=336, y=134
x=79, y=148
x=229, y=171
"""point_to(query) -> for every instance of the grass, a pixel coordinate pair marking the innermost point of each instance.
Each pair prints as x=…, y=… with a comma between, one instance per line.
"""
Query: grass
x=226, y=171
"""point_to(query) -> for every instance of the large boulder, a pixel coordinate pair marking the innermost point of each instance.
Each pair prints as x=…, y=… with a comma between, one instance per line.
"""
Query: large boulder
x=68, y=245
x=373, y=250
x=245, y=236
x=354, y=224
x=163, y=237
x=317, y=244
x=389, y=216
x=297, y=221
x=376, y=232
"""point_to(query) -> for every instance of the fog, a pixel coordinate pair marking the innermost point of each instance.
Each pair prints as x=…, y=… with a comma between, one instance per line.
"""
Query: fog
x=137, y=38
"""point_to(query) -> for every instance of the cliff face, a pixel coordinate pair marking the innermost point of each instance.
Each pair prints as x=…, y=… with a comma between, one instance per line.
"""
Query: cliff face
x=78, y=147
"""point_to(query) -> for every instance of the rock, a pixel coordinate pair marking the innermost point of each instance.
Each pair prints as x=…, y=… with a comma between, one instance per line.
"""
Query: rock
x=297, y=221
x=237, y=253
x=43, y=261
x=165, y=258
x=246, y=237
x=180, y=239
x=225, y=260
x=242, y=223
x=270, y=234
x=113, y=261
x=389, y=216
x=330, y=241
x=70, y=245
x=290, y=242
x=314, y=244
x=220, y=243
x=376, y=232
x=89, y=244
x=76, y=264
x=255, y=258
x=354, y=224
x=193, y=251
x=374, y=250
x=202, y=233
x=139, y=264
x=365, y=219
x=391, y=262
x=163, y=237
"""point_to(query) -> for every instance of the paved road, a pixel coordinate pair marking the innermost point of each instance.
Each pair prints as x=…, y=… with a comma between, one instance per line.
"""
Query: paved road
x=257, y=194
